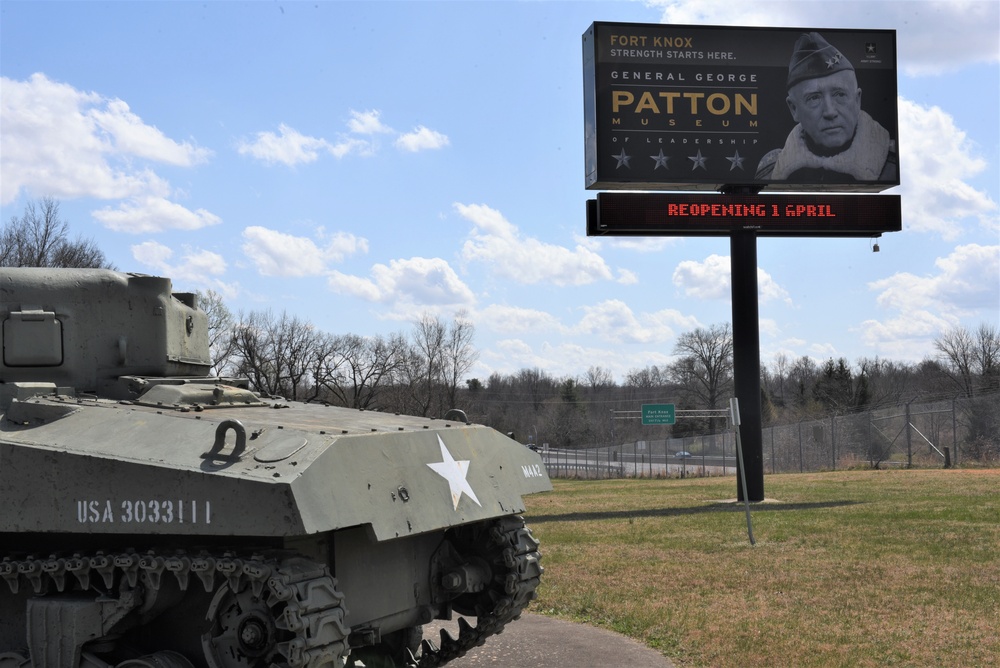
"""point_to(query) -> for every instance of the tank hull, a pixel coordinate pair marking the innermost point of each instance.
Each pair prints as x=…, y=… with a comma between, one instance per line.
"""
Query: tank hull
x=158, y=517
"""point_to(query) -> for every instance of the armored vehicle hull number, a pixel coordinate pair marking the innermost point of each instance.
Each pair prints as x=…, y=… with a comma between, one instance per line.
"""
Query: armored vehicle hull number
x=143, y=511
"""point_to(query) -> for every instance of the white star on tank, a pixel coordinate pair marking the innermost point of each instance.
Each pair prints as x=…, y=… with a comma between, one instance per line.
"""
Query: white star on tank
x=454, y=472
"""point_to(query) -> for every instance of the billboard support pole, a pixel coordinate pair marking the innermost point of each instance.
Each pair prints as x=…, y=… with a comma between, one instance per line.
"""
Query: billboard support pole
x=746, y=361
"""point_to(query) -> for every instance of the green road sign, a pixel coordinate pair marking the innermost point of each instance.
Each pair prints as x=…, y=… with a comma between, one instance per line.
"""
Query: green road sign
x=658, y=414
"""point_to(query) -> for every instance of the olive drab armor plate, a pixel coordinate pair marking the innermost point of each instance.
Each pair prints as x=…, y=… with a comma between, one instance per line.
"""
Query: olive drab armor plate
x=158, y=516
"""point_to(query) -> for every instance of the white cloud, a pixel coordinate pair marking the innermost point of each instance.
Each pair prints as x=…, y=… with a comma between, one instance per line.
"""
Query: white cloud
x=768, y=327
x=642, y=244
x=712, y=279
x=65, y=143
x=151, y=214
x=935, y=158
x=421, y=139
x=279, y=254
x=563, y=359
x=497, y=243
x=967, y=280
x=924, y=307
x=291, y=147
x=709, y=279
x=919, y=25
x=355, y=286
x=769, y=290
x=905, y=337
x=409, y=286
x=367, y=123
x=133, y=137
x=511, y=319
x=627, y=277
x=198, y=267
x=613, y=321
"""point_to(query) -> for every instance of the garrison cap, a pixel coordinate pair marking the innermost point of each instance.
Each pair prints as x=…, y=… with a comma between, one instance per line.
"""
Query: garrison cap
x=815, y=57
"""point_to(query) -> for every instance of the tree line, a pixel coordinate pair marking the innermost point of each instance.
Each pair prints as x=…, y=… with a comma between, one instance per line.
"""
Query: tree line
x=40, y=238
x=418, y=373
x=424, y=372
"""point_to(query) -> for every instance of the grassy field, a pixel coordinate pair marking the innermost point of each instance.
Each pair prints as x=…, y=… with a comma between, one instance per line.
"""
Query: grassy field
x=853, y=568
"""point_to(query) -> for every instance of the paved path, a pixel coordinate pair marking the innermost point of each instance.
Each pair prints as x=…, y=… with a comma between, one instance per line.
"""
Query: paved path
x=543, y=642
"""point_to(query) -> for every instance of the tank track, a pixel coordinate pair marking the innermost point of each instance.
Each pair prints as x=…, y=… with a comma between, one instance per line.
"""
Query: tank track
x=313, y=609
x=513, y=554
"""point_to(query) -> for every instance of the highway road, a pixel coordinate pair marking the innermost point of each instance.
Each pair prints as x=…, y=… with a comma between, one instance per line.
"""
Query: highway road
x=607, y=462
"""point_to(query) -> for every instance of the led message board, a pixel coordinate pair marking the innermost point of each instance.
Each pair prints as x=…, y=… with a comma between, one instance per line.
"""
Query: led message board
x=678, y=107
x=708, y=215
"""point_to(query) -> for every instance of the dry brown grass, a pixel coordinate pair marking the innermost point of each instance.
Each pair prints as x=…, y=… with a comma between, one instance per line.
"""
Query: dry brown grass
x=855, y=568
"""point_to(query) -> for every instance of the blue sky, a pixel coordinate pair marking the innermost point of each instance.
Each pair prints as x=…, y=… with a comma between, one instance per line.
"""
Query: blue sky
x=358, y=164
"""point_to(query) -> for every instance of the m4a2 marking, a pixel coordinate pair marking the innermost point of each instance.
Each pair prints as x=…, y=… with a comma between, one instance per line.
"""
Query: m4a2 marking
x=156, y=516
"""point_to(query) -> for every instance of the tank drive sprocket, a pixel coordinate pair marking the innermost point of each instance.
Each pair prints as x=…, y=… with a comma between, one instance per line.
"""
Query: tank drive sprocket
x=511, y=553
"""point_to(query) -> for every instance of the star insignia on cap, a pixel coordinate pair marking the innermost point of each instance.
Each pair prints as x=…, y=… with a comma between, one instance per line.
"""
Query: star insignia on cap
x=661, y=160
x=698, y=160
x=455, y=472
x=833, y=61
x=622, y=159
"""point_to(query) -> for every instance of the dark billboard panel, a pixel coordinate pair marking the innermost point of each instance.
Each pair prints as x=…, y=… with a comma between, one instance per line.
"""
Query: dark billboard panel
x=710, y=215
x=678, y=107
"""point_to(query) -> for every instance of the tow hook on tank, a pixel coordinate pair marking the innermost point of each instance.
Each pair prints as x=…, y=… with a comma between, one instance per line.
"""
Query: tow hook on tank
x=215, y=454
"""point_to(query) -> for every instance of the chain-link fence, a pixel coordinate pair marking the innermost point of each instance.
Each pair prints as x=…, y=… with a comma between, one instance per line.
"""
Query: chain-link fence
x=951, y=432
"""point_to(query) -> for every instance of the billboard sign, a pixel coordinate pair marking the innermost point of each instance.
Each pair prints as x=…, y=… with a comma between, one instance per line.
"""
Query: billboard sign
x=708, y=214
x=678, y=107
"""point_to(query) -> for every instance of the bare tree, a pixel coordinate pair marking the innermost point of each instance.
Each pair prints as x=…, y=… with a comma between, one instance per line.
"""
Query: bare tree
x=801, y=377
x=459, y=355
x=704, y=369
x=39, y=239
x=220, y=330
x=774, y=381
x=425, y=363
x=598, y=377
x=888, y=382
x=354, y=369
x=972, y=359
x=276, y=354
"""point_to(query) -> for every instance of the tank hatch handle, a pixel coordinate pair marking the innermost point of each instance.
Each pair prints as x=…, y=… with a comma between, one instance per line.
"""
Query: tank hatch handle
x=215, y=454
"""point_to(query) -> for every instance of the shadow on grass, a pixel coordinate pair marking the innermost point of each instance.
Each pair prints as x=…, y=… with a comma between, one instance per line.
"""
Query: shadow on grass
x=711, y=507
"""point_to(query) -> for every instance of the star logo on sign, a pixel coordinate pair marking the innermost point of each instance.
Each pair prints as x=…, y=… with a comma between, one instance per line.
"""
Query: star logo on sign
x=454, y=471
x=622, y=159
x=870, y=48
x=736, y=161
x=698, y=160
x=661, y=160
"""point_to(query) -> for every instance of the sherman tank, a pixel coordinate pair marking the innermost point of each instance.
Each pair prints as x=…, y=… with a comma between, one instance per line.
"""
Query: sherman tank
x=157, y=516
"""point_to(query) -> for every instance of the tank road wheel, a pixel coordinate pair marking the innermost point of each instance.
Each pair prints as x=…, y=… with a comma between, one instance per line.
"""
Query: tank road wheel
x=287, y=615
x=13, y=660
x=243, y=631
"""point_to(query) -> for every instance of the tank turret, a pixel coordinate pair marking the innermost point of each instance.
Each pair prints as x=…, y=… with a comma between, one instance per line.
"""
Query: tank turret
x=160, y=517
